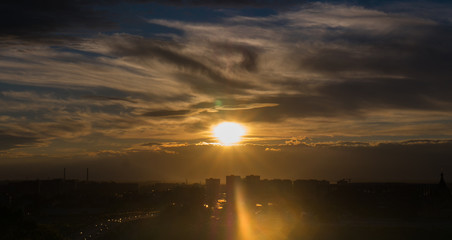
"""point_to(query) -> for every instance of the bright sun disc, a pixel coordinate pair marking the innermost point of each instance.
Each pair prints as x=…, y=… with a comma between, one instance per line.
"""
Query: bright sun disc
x=229, y=133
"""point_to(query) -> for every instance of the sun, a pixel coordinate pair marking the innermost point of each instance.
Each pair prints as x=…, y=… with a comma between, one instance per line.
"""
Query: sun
x=229, y=133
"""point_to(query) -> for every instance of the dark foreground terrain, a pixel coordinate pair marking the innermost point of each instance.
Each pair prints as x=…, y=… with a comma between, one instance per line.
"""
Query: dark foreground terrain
x=243, y=209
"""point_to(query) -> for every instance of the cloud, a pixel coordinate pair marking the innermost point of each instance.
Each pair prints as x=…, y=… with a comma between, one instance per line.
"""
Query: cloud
x=156, y=147
x=166, y=113
x=151, y=144
x=273, y=149
x=9, y=141
x=427, y=141
x=187, y=68
x=249, y=55
x=349, y=61
x=313, y=70
x=296, y=141
x=104, y=98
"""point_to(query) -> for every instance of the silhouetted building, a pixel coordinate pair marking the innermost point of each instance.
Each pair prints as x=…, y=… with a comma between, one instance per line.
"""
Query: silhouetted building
x=252, y=188
x=311, y=193
x=212, y=191
x=233, y=183
x=252, y=179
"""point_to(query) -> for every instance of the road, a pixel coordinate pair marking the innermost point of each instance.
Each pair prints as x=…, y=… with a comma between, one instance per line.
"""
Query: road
x=95, y=230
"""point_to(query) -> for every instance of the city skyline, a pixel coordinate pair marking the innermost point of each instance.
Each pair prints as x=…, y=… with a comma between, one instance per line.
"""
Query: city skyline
x=136, y=90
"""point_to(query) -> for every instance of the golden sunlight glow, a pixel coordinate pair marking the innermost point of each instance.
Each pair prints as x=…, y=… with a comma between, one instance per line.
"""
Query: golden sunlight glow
x=229, y=133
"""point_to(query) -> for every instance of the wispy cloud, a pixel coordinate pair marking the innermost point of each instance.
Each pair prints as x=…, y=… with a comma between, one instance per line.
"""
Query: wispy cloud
x=313, y=70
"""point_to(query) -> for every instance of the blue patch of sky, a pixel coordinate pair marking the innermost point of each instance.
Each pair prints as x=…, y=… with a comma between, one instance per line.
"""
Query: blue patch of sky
x=377, y=3
x=133, y=18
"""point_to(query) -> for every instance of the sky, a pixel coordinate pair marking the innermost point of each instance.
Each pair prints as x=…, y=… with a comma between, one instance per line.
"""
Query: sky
x=132, y=89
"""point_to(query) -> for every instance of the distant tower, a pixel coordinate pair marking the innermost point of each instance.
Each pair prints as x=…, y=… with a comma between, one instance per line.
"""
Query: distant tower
x=443, y=190
x=441, y=181
x=87, y=174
